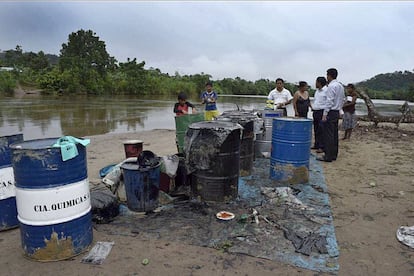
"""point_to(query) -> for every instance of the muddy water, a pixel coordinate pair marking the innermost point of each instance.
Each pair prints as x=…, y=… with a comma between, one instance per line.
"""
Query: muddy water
x=45, y=116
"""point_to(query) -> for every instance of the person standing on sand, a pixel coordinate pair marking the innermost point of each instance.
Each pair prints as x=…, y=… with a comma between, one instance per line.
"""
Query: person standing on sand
x=349, y=119
x=318, y=106
x=280, y=96
x=301, y=101
x=335, y=96
x=209, y=98
x=182, y=106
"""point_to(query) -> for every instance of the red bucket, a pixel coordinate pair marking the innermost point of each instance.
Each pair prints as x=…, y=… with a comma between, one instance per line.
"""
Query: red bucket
x=133, y=148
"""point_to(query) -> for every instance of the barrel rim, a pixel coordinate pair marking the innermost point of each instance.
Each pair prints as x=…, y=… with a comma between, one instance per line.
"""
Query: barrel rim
x=213, y=125
x=132, y=142
x=12, y=135
x=19, y=146
x=138, y=168
x=292, y=119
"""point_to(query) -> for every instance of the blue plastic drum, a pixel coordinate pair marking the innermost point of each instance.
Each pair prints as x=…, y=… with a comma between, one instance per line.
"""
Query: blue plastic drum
x=8, y=210
x=290, y=153
x=53, y=200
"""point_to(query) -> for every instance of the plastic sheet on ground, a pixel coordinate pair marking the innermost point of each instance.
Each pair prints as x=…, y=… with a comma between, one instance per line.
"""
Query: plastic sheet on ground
x=297, y=228
x=98, y=253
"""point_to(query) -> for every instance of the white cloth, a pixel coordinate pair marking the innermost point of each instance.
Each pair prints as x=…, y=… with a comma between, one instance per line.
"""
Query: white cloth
x=282, y=97
x=319, y=100
x=335, y=96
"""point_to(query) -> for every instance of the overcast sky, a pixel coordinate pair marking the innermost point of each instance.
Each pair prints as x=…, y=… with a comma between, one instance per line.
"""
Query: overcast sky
x=248, y=39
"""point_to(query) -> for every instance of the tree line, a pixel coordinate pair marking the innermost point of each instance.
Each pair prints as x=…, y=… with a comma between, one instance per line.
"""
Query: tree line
x=85, y=66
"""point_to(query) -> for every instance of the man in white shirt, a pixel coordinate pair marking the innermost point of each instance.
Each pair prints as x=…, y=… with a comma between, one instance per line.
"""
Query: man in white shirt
x=318, y=105
x=280, y=96
x=335, y=96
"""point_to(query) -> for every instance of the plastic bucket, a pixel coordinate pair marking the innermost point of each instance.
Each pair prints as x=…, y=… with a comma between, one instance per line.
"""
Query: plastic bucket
x=181, y=125
x=141, y=186
x=53, y=200
x=132, y=148
x=8, y=209
x=291, y=140
x=214, y=154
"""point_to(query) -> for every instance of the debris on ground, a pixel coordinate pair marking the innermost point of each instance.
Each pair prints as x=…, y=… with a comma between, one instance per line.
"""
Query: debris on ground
x=405, y=234
x=98, y=253
x=292, y=224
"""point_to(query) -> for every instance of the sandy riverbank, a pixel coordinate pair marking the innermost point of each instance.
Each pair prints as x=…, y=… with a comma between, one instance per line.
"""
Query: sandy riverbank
x=366, y=216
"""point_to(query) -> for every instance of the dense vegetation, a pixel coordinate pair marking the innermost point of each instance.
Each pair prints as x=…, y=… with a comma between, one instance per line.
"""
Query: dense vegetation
x=85, y=66
x=391, y=86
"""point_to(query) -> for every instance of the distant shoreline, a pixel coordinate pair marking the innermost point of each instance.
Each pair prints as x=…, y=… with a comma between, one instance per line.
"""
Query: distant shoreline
x=20, y=91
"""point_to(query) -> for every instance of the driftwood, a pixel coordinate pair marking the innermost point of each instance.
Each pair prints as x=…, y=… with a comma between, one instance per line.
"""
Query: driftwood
x=375, y=117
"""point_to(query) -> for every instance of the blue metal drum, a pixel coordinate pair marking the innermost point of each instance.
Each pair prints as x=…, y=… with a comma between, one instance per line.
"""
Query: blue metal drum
x=141, y=186
x=291, y=143
x=53, y=200
x=8, y=210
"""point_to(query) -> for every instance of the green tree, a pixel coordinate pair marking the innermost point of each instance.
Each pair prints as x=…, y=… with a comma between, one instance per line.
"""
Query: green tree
x=85, y=59
x=133, y=76
x=51, y=81
x=35, y=61
x=263, y=86
x=13, y=58
x=7, y=82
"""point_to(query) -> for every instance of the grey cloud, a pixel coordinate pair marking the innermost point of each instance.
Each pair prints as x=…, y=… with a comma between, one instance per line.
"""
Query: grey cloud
x=294, y=40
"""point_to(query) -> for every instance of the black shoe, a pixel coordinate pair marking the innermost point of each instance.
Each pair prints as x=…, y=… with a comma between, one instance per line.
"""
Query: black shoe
x=323, y=159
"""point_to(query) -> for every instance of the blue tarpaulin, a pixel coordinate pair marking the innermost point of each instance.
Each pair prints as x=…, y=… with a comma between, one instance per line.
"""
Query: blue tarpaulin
x=296, y=228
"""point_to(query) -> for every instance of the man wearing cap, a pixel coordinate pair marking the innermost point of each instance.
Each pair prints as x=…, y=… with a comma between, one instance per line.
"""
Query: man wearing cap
x=280, y=96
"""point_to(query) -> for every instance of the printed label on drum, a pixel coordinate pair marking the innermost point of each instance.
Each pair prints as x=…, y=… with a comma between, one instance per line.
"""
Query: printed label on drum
x=7, y=188
x=54, y=205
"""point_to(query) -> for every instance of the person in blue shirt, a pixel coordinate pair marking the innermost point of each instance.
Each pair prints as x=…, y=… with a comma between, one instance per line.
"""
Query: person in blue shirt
x=209, y=98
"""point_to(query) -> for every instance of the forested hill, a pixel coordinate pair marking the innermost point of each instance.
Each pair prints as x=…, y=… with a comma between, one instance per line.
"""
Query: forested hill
x=397, y=85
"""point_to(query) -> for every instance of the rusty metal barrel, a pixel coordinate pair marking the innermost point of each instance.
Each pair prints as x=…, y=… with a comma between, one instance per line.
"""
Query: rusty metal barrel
x=246, y=120
x=212, y=156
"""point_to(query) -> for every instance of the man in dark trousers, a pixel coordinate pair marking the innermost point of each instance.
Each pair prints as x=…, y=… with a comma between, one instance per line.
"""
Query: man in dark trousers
x=335, y=96
x=318, y=107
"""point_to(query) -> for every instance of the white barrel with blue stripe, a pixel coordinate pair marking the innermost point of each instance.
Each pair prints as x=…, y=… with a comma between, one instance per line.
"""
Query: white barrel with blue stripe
x=8, y=210
x=53, y=200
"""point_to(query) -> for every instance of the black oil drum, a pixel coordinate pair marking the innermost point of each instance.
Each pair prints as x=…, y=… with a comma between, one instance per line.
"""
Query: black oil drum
x=246, y=120
x=212, y=156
